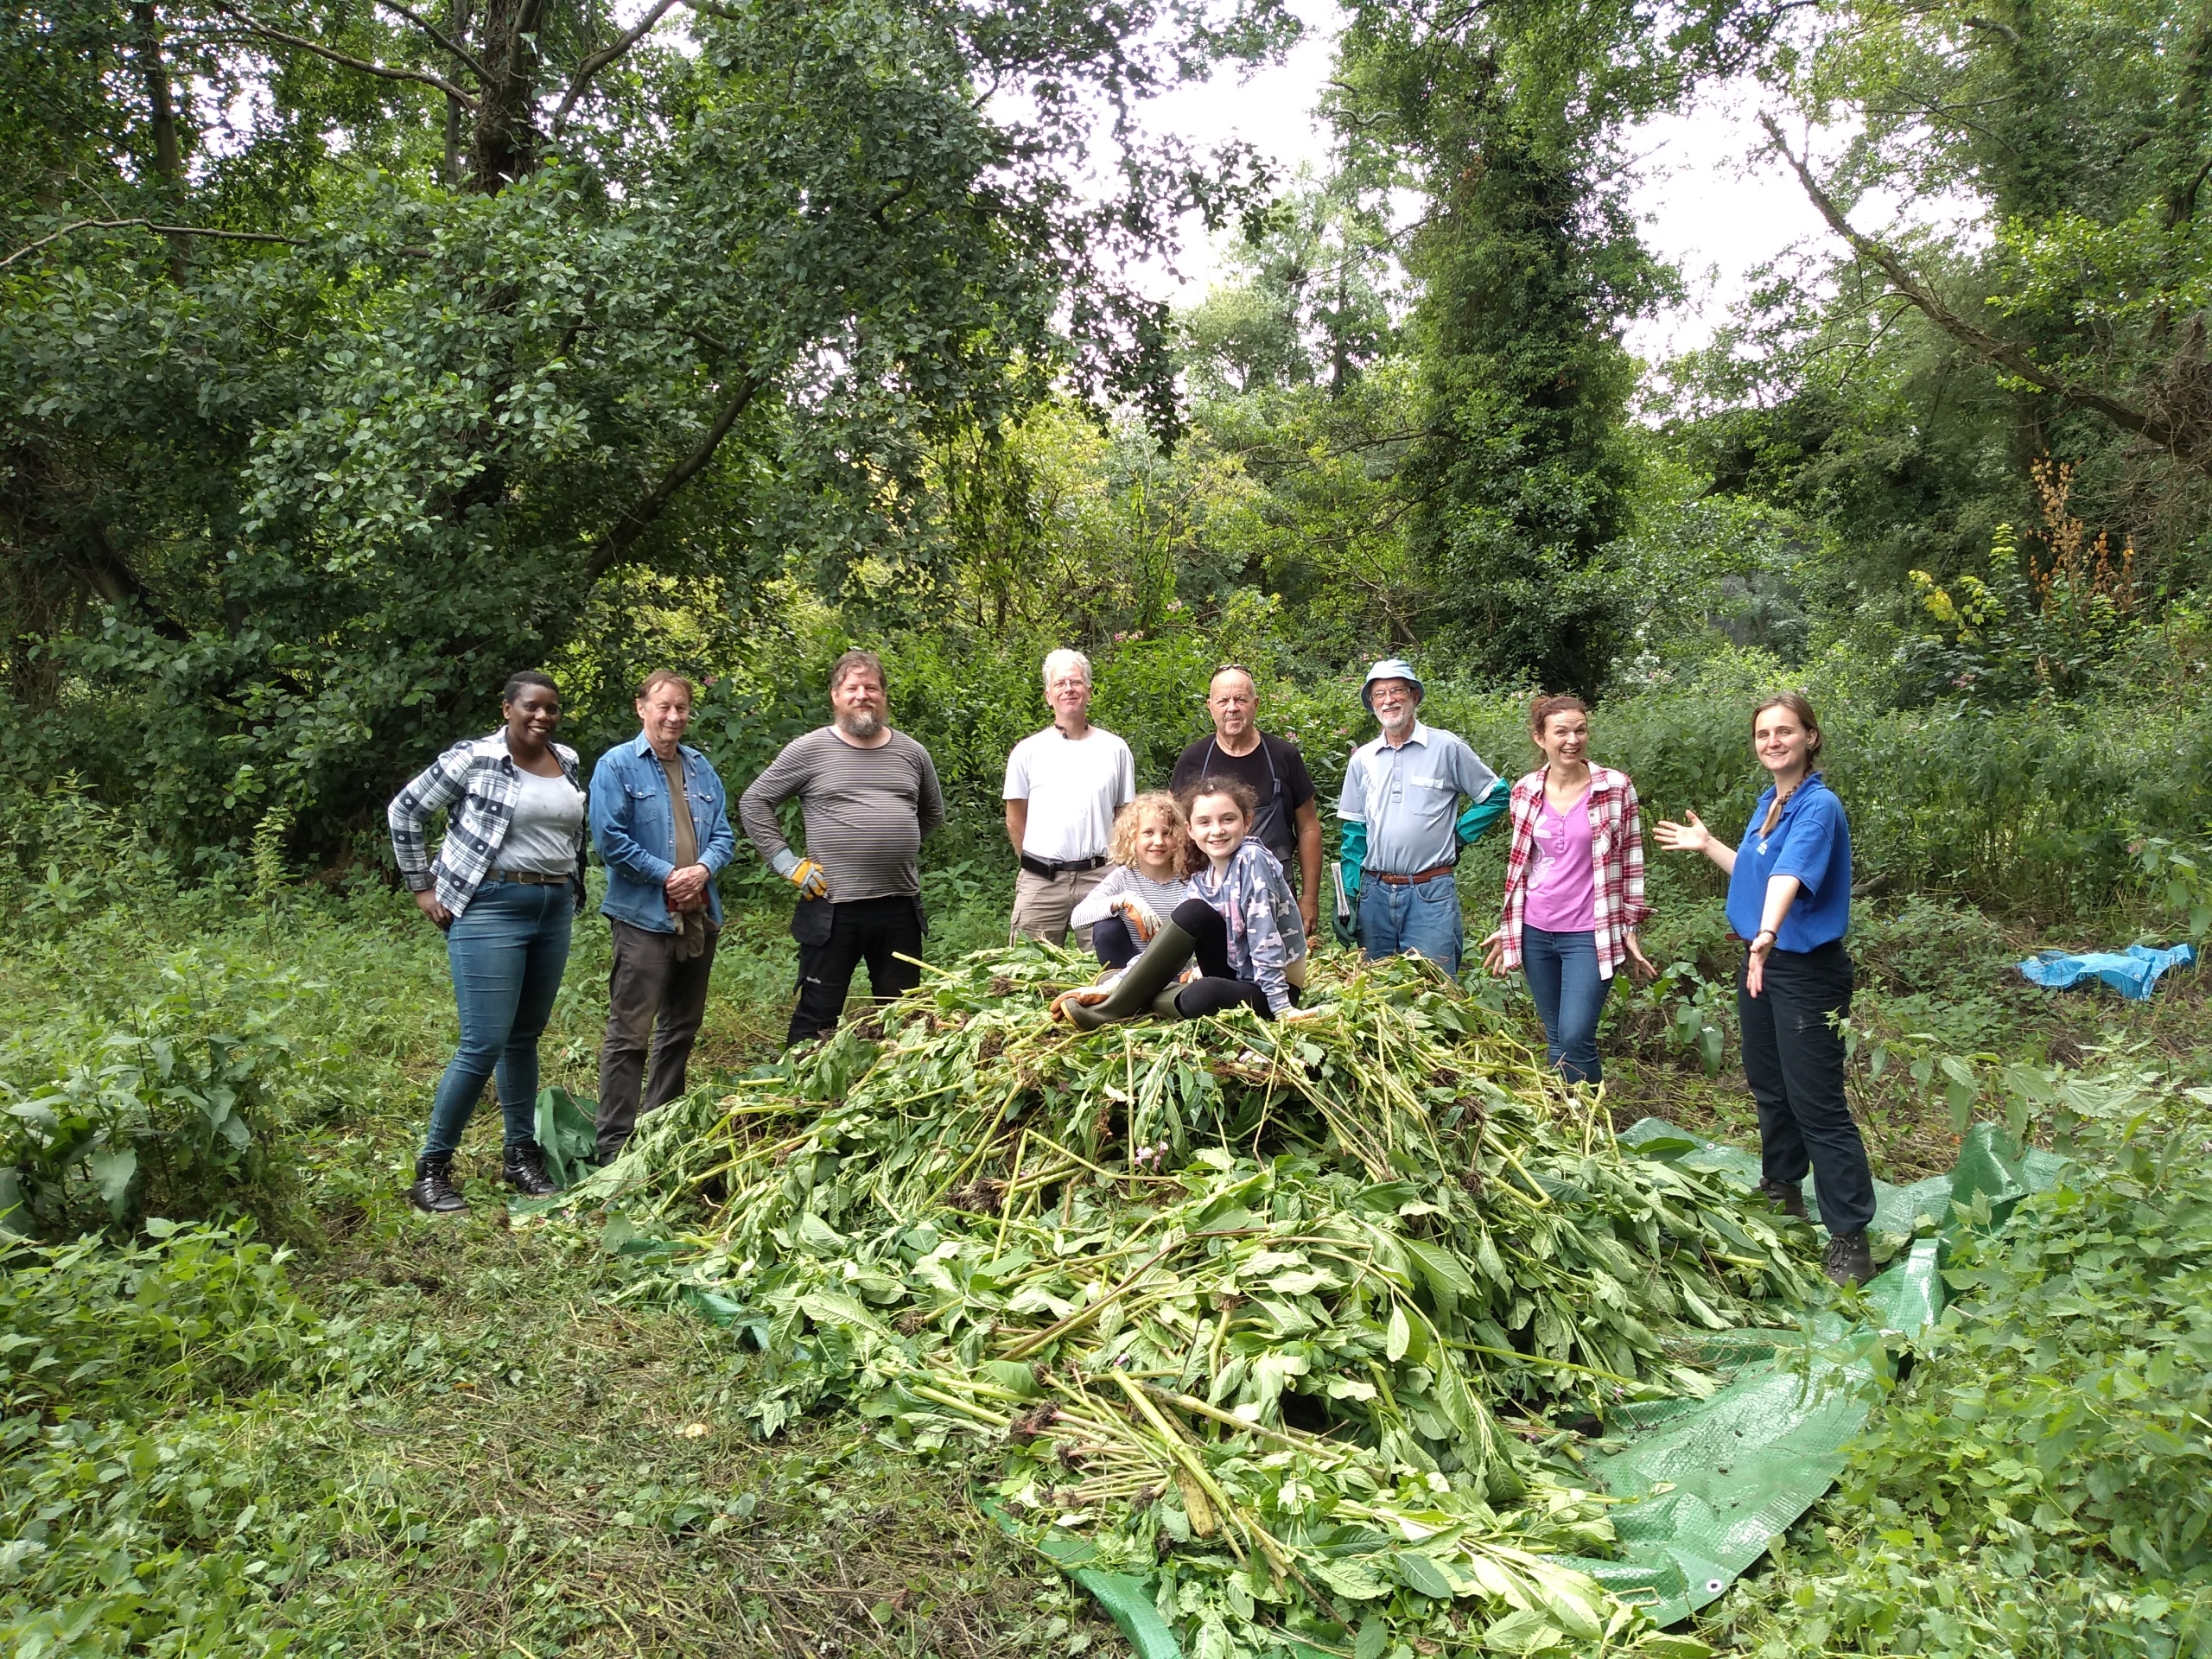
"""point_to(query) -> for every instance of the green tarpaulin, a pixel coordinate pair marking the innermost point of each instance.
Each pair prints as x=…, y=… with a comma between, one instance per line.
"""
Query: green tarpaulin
x=1717, y=1478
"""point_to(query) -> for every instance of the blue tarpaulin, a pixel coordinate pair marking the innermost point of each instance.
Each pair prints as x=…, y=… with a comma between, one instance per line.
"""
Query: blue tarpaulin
x=2132, y=972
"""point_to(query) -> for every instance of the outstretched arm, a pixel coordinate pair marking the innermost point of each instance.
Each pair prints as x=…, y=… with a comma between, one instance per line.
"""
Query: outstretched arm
x=1693, y=837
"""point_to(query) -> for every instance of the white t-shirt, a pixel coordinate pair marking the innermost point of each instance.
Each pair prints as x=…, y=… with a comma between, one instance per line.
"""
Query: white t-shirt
x=1074, y=789
x=547, y=828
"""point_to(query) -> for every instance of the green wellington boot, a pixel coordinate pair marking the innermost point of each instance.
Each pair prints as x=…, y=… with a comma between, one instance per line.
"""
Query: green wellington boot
x=1140, y=981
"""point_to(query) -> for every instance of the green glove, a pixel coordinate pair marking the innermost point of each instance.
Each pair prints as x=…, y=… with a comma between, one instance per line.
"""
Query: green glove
x=1352, y=856
x=1484, y=813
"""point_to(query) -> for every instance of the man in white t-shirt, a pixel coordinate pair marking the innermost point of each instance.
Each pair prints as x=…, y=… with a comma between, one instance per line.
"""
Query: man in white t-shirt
x=1063, y=787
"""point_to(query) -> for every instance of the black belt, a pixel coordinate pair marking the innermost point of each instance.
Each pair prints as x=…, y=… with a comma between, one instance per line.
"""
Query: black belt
x=536, y=877
x=1049, y=867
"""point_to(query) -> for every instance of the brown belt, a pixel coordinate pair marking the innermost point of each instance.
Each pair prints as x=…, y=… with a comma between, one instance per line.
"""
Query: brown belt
x=536, y=877
x=1413, y=880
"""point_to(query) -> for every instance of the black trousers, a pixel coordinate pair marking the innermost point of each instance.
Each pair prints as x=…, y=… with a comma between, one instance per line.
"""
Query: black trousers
x=1793, y=1060
x=875, y=930
x=647, y=988
x=1220, y=989
x=1116, y=945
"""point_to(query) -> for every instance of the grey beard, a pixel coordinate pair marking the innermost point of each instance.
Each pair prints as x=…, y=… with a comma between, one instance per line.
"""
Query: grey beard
x=860, y=726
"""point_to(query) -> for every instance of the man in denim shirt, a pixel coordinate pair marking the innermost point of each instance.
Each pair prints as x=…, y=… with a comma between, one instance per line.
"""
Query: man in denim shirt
x=660, y=820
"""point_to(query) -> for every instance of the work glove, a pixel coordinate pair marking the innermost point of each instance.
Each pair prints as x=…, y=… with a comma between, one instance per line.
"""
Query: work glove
x=1352, y=858
x=1346, y=928
x=806, y=875
x=1143, y=921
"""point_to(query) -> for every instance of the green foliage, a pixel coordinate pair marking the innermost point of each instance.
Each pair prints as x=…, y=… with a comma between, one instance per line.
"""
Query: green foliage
x=124, y=1529
x=195, y=1313
x=1526, y=267
x=2175, y=877
x=1352, y=1243
x=299, y=503
x=2040, y=1484
x=2019, y=809
x=173, y=1106
x=1310, y=302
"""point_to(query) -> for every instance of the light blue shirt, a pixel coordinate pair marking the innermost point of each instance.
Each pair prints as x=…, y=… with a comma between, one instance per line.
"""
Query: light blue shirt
x=1409, y=797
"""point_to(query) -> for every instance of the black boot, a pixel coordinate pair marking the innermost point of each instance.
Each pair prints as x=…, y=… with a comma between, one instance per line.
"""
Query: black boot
x=1790, y=1200
x=525, y=1171
x=1140, y=981
x=1850, y=1261
x=433, y=1193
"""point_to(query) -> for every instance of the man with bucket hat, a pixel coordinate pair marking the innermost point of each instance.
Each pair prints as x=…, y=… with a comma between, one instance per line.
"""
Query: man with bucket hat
x=1402, y=825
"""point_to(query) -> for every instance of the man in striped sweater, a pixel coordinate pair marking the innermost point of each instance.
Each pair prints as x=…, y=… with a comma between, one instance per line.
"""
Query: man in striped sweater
x=868, y=795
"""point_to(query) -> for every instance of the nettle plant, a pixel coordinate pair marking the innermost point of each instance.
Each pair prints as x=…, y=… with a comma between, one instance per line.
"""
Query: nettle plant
x=171, y=1106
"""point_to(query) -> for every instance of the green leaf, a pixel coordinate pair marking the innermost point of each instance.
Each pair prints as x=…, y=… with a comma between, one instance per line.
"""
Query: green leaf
x=1400, y=1335
x=1013, y=1375
x=1417, y=1572
x=111, y=1170
x=1353, y=1577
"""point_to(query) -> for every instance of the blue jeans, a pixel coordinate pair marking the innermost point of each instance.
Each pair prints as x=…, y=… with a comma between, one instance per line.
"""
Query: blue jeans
x=1394, y=920
x=1562, y=969
x=507, y=951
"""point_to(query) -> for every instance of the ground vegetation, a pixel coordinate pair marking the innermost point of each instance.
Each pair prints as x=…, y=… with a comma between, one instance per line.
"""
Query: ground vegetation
x=355, y=357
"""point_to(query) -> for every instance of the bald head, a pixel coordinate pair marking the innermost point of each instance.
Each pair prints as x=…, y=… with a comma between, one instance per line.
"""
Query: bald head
x=1234, y=702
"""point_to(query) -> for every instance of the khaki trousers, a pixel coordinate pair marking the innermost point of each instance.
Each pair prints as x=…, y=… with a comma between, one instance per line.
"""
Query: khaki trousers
x=1042, y=903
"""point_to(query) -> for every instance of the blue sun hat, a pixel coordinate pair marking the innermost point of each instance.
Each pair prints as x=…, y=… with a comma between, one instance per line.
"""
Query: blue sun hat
x=1390, y=668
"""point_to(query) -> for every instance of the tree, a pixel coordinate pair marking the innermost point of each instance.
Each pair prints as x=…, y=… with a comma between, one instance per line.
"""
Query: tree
x=556, y=302
x=1527, y=267
x=1309, y=299
x=2077, y=131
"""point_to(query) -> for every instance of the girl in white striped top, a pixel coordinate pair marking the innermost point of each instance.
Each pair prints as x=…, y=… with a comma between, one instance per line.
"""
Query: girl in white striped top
x=1152, y=854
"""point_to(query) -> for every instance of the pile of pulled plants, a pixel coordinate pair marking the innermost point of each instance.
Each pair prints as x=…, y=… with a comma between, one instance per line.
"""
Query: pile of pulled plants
x=1298, y=1321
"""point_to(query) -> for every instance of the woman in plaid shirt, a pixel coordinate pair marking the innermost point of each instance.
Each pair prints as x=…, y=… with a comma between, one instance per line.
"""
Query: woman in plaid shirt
x=1573, y=886
x=506, y=886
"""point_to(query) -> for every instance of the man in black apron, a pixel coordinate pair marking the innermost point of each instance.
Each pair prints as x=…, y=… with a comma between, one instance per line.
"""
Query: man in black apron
x=1289, y=822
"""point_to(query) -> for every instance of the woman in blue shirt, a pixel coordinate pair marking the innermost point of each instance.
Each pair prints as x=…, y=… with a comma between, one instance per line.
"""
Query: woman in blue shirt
x=1790, y=896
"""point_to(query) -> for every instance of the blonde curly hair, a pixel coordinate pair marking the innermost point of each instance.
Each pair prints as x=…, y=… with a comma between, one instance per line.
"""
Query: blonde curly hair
x=1122, y=848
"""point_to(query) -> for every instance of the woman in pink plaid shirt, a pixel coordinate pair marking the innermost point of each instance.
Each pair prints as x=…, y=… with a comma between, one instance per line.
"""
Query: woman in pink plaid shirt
x=1573, y=886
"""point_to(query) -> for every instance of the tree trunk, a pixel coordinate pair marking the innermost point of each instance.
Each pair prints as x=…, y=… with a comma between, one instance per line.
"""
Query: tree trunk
x=457, y=22
x=168, y=156
x=504, y=146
